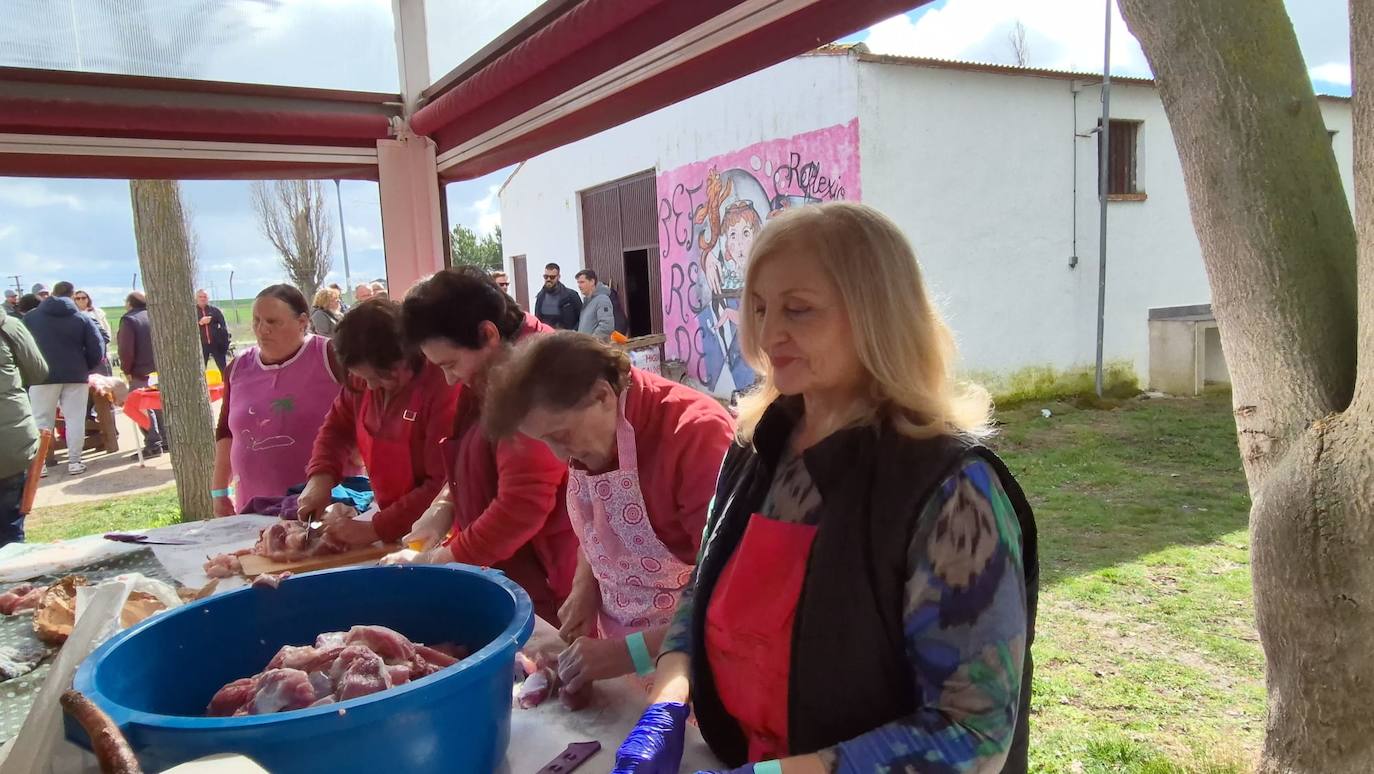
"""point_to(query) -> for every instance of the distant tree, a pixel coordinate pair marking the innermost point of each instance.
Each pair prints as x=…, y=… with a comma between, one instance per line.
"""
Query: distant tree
x=1020, y=52
x=471, y=250
x=293, y=216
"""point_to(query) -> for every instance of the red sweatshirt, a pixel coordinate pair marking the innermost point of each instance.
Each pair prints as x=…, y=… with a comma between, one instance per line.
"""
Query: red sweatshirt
x=681, y=436
x=510, y=506
x=346, y=423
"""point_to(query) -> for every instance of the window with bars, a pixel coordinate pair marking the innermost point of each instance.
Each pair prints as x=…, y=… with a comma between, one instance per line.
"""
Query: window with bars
x=1122, y=155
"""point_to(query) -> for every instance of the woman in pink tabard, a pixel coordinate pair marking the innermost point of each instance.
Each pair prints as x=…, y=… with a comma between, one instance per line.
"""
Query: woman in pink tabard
x=643, y=455
x=276, y=397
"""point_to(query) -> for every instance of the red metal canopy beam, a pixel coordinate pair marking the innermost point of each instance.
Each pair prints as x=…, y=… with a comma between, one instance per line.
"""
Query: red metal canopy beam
x=59, y=103
x=527, y=82
x=153, y=168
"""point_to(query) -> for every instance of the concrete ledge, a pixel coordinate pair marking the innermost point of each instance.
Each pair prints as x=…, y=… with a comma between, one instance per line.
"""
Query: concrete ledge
x=1192, y=313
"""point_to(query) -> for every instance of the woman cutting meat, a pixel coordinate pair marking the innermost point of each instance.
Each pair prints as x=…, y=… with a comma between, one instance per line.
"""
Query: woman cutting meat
x=644, y=453
x=276, y=396
x=503, y=505
x=394, y=410
x=865, y=598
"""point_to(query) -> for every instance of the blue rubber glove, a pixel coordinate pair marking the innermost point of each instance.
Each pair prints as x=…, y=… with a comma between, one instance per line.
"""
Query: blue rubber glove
x=655, y=744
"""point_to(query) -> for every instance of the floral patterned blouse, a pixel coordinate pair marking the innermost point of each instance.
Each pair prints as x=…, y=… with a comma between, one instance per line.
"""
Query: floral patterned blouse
x=965, y=622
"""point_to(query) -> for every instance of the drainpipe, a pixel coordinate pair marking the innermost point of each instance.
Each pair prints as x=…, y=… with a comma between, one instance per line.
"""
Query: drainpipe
x=1105, y=140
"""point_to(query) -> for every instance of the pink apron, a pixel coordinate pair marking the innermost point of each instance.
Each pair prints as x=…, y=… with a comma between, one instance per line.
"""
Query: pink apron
x=275, y=412
x=641, y=580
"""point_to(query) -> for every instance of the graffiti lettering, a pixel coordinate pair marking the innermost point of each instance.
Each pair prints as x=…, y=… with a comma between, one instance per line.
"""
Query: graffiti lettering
x=709, y=212
x=675, y=213
x=797, y=179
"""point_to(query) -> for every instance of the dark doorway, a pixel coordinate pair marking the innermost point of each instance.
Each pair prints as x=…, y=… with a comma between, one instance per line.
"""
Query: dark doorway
x=637, y=300
x=522, y=281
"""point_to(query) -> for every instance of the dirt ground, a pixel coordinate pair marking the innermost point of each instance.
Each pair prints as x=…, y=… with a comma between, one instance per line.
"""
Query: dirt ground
x=109, y=474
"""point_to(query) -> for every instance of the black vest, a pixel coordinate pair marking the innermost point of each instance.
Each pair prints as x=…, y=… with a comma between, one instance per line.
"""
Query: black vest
x=850, y=672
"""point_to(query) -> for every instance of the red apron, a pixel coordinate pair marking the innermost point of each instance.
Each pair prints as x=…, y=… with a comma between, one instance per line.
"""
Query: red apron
x=749, y=629
x=389, y=462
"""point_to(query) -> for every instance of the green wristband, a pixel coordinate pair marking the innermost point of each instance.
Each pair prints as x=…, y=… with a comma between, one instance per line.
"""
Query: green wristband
x=639, y=654
x=226, y=492
x=768, y=767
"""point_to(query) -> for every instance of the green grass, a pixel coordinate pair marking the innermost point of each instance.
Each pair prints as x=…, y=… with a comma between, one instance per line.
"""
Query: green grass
x=63, y=522
x=1147, y=659
x=241, y=328
x=1042, y=383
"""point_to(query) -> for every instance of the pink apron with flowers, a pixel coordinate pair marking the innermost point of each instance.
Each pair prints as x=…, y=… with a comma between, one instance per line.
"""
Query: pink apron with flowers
x=641, y=580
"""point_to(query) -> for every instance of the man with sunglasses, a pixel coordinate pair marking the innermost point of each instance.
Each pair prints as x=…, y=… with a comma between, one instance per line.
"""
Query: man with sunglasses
x=557, y=305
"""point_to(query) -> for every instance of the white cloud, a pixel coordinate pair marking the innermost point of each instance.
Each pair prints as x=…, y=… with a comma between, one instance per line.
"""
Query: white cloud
x=34, y=194
x=488, y=210
x=1067, y=35
x=6, y=231
x=362, y=238
x=1331, y=72
x=1060, y=34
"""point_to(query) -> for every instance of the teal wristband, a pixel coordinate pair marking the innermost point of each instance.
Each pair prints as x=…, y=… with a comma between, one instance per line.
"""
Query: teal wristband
x=639, y=654
x=226, y=492
x=768, y=767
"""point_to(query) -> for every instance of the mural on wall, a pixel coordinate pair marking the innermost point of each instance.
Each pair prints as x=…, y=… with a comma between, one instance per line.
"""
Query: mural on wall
x=709, y=213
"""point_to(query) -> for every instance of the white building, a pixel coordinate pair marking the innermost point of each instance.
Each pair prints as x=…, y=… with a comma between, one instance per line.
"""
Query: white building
x=990, y=170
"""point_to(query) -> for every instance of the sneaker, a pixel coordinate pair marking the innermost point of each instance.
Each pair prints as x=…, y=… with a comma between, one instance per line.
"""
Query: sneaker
x=44, y=474
x=76, y=468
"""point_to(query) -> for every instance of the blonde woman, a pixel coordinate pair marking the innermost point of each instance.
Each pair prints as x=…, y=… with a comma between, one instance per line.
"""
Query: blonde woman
x=865, y=597
x=327, y=312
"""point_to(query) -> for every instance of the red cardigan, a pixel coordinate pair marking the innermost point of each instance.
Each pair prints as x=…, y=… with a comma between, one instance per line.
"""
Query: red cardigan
x=681, y=436
x=337, y=442
x=509, y=503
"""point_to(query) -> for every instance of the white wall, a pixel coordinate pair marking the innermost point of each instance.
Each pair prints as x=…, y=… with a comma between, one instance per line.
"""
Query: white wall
x=976, y=167
x=540, y=214
x=978, y=170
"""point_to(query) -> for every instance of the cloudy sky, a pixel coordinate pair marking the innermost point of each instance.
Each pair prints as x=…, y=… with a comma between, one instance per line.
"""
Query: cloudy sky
x=81, y=229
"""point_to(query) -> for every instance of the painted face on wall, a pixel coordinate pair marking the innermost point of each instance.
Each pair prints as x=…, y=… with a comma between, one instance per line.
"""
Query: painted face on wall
x=739, y=240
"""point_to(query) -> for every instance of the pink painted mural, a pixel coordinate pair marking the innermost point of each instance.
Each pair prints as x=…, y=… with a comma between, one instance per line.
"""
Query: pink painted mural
x=709, y=213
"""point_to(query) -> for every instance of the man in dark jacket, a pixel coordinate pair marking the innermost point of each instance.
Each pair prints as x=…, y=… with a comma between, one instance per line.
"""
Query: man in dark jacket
x=70, y=341
x=557, y=305
x=21, y=364
x=136, y=359
x=214, y=331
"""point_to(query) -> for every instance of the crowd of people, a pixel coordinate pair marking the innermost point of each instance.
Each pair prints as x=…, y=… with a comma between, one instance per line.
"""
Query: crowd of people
x=841, y=576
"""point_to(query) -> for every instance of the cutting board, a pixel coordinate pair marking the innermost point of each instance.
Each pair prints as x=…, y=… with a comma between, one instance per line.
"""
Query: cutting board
x=254, y=565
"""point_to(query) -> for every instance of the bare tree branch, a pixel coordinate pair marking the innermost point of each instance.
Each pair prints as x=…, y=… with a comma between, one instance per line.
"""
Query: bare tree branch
x=1020, y=52
x=293, y=216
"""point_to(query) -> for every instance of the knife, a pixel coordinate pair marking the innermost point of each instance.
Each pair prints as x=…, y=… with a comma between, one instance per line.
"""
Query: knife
x=125, y=537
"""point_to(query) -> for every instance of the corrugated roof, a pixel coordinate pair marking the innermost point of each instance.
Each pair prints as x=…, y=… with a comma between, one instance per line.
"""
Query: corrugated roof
x=862, y=53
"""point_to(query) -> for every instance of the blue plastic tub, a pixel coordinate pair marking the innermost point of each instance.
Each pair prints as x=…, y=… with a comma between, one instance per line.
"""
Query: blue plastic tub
x=156, y=678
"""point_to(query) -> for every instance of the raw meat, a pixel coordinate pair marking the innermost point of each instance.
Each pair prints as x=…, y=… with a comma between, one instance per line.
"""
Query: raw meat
x=231, y=697
x=338, y=667
x=289, y=541
x=359, y=672
x=225, y=565
x=536, y=688
x=21, y=598
x=285, y=541
x=270, y=580
x=540, y=681
x=281, y=690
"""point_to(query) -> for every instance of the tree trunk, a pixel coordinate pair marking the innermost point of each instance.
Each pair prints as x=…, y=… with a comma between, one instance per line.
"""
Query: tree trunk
x=1279, y=246
x=164, y=255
